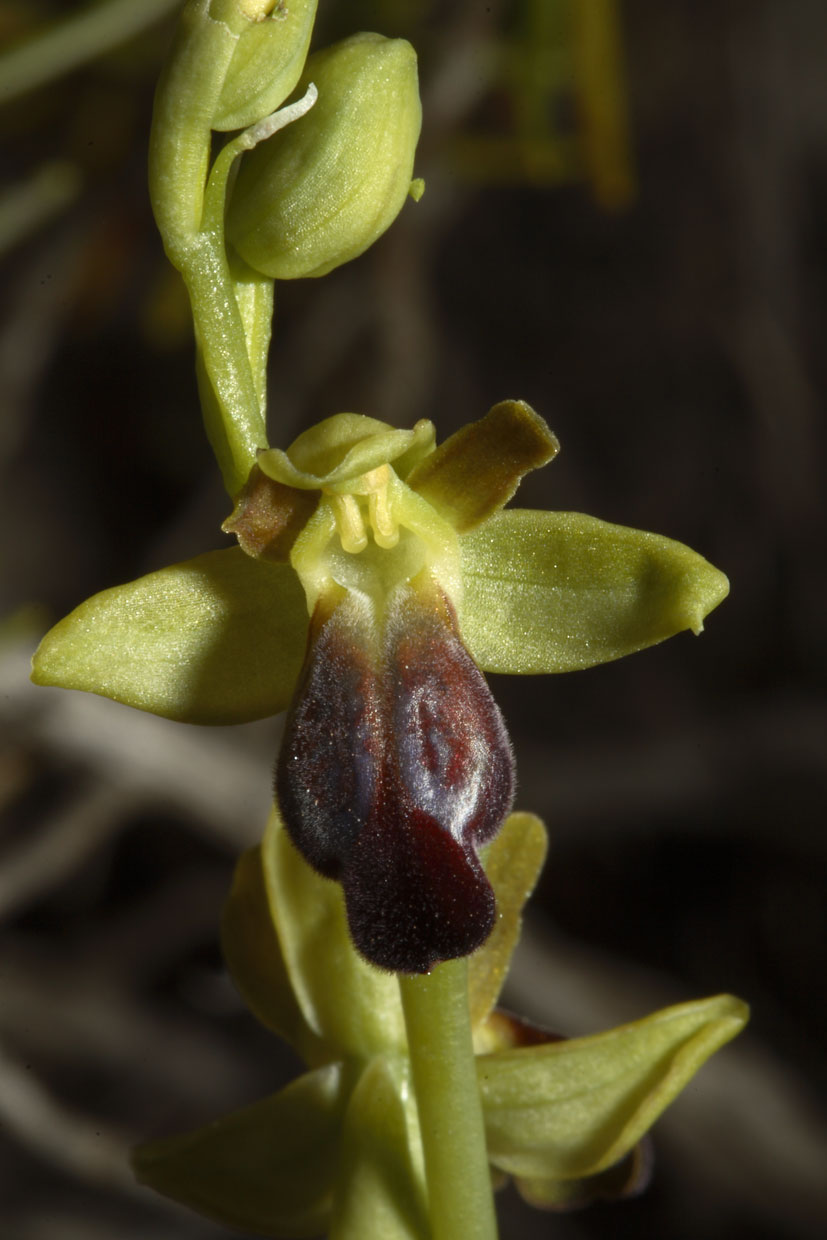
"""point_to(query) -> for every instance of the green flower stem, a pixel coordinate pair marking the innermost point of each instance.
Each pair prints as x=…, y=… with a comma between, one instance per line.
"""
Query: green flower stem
x=233, y=414
x=461, y=1201
x=231, y=344
x=180, y=139
x=254, y=294
x=235, y=430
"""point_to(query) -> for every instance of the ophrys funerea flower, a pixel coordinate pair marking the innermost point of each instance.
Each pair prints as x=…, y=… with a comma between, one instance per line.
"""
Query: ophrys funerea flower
x=378, y=575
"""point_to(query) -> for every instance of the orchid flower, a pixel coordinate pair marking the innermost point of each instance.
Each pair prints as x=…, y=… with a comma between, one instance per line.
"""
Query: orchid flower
x=377, y=575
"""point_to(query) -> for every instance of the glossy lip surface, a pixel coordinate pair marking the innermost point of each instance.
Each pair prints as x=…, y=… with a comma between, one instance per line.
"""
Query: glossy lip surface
x=395, y=767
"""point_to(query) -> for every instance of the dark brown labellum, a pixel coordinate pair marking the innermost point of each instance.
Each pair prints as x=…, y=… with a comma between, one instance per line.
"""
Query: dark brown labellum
x=395, y=767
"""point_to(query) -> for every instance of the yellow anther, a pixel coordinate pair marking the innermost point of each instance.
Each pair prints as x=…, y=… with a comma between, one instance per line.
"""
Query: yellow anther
x=385, y=527
x=350, y=523
x=375, y=485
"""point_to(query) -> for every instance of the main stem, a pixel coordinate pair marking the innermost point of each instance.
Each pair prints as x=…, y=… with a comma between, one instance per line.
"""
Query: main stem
x=461, y=1202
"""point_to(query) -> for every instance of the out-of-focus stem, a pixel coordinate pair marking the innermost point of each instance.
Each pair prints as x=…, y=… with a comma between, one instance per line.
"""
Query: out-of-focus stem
x=62, y=46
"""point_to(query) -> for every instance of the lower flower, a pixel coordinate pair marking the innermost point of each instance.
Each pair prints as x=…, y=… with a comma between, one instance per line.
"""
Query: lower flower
x=338, y=1150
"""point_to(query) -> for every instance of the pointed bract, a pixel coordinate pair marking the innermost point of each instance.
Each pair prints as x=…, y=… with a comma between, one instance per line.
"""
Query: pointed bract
x=269, y=1168
x=569, y=1109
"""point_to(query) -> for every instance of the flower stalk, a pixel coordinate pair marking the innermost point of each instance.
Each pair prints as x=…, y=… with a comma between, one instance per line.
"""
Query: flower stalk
x=460, y=1194
x=186, y=102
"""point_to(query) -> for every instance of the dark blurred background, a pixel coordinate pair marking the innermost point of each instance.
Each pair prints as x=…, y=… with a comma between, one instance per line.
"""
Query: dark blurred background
x=628, y=232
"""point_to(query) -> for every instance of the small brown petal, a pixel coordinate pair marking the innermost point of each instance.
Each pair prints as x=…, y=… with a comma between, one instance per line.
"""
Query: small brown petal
x=269, y=516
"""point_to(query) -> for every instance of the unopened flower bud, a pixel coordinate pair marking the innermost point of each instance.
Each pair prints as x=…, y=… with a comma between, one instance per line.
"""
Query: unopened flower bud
x=322, y=190
x=267, y=62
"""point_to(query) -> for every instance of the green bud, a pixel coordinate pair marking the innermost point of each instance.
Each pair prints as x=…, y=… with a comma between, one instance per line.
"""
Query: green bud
x=267, y=62
x=322, y=190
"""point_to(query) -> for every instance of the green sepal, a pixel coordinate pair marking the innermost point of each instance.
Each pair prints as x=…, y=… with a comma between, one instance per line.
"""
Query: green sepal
x=380, y=1193
x=218, y=639
x=253, y=955
x=569, y=1109
x=512, y=862
x=476, y=471
x=336, y=452
x=353, y=1008
x=558, y=591
x=269, y=1168
x=266, y=65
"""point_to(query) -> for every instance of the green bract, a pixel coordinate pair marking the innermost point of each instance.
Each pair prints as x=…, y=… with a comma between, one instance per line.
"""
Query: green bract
x=321, y=191
x=359, y=505
x=338, y=1150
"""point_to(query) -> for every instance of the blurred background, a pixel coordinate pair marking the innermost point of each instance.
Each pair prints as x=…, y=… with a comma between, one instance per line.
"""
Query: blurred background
x=625, y=224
